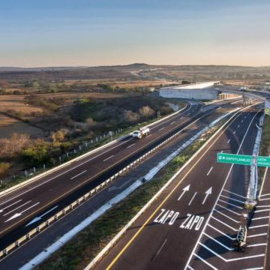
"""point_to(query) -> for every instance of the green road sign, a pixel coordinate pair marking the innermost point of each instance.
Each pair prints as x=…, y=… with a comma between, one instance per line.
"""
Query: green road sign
x=263, y=161
x=236, y=159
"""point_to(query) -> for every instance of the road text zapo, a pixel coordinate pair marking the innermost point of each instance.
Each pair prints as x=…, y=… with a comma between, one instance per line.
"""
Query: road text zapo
x=170, y=216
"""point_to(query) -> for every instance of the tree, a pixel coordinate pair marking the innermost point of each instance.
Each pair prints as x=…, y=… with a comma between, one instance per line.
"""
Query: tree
x=146, y=111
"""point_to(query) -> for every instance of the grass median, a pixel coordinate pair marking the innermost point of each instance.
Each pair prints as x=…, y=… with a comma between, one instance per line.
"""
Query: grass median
x=87, y=244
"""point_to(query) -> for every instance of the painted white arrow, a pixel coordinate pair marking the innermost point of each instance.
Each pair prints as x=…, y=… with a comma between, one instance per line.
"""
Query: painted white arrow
x=40, y=217
x=208, y=192
x=19, y=214
x=184, y=191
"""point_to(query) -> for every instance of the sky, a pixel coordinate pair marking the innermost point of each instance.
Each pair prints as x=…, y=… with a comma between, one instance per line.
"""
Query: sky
x=37, y=33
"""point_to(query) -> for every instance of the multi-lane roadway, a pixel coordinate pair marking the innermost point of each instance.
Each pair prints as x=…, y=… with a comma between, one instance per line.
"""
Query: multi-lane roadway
x=193, y=223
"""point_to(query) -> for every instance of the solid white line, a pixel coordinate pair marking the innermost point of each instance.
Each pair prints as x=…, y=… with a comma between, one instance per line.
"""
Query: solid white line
x=209, y=171
x=190, y=267
x=228, y=140
x=131, y=145
x=259, y=226
x=256, y=268
x=231, y=204
x=231, y=238
x=265, y=194
x=257, y=245
x=210, y=265
x=234, y=193
x=225, y=224
x=108, y=158
x=213, y=252
x=264, y=210
x=229, y=210
x=226, y=216
x=256, y=235
x=266, y=199
x=227, y=177
x=9, y=206
x=260, y=218
x=78, y=174
x=230, y=198
x=192, y=198
x=218, y=242
x=262, y=206
x=16, y=208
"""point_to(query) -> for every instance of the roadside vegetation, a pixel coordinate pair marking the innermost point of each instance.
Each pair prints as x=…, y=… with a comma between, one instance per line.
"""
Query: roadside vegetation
x=88, y=243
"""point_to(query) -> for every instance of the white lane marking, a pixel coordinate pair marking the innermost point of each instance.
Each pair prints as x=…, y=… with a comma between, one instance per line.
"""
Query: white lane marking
x=19, y=214
x=231, y=198
x=162, y=246
x=181, y=117
x=259, y=226
x=257, y=245
x=221, y=244
x=209, y=171
x=256, y=235
x=229, y=141
x=40, y=217
x=161, y=128
x=238, y=126
x=228, y=209
x=51, y=179
x=231, y=204
x=266, y=199
x=184, y=191
x=78, y=174
x=242, y=121
x=260, y=218
x=9, y=206
x=16, y=208
x=208, y=192
x=221, y=151
x=267, y=194
x=229, y=237
x=108, y=158
x=192, y=198
x=172, y=122
x=207, y=263
x=234, y=193
x=190, y=267
x=256, y=268
x=131, y=145
x=234, y=132
x=262, y=206
x=263, y=210
x=225, y=224
x=235, y=221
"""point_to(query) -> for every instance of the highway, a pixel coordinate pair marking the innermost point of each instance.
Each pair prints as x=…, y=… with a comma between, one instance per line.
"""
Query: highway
x=193, y=223
x=26, y=207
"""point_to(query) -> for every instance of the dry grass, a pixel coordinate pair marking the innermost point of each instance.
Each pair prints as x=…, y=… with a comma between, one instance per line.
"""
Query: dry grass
x=80, y=95
x=16, y=103
x=9, y=125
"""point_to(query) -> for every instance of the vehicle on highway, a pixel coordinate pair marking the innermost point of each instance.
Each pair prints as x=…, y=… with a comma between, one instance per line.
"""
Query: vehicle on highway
x=141, y=132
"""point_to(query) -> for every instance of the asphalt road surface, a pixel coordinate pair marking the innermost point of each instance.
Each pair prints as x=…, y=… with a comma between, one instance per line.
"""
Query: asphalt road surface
x=192, y=225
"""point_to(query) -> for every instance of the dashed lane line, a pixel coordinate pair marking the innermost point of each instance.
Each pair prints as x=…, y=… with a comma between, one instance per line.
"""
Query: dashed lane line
x=234, y=193
x=108, y=158
x=235, y=221
x=78, y=174
x=210, y=170
x=131, y=145
x=229, y=141
x=234, y=132
x=192, y=198
x=228, y=209
x=225, y=224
